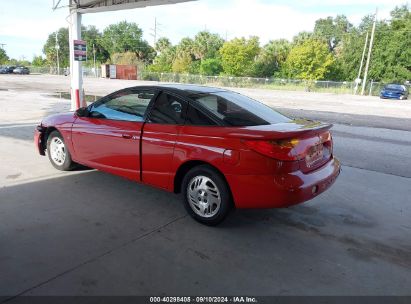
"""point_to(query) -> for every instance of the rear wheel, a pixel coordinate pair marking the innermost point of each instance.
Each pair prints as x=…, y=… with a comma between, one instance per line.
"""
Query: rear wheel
x=58, y=153
x=207, y=197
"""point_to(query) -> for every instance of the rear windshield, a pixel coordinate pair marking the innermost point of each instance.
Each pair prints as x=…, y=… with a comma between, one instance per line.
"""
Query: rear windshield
x=395, y=87
x=238, y=110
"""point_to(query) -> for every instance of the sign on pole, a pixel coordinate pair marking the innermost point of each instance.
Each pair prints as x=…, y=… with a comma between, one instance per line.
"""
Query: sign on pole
x=80, y=50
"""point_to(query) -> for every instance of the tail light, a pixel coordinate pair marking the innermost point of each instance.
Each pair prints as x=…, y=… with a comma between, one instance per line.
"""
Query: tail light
x=292, y=149
x=286, y=150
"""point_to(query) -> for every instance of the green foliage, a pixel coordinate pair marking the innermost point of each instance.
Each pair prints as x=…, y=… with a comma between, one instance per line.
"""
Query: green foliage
x=127, y=58
x=206, y=45
x=39, y=61
x=332, y=51
x=391, y=56
x=301, y=37
x=90, y=34
x=184, y=57
x=332, y=30
x=49, y=49
x=93, y=38
x=211, y=67
x=126, y=37
x=238, y=55
x=182, y=64
x=310, y=60
x=271, y=58
x=3, y=56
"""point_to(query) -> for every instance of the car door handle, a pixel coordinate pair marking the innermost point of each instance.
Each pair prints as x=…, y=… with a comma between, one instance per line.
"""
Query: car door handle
x=127, y=136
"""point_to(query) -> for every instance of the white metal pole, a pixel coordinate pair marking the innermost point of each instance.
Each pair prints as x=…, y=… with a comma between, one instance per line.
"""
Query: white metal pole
x=77, y=100
x=367, y=66
x=94, y=59
x=57, y=50
x=361, y=65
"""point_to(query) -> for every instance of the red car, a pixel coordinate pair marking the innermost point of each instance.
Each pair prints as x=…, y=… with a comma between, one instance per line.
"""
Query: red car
x=218, y=148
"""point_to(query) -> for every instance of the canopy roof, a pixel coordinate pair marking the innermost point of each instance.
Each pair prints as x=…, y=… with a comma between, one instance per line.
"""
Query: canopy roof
x=94, y=6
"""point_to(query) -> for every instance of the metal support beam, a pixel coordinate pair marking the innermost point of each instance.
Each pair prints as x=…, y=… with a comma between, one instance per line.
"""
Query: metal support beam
x=76, y=72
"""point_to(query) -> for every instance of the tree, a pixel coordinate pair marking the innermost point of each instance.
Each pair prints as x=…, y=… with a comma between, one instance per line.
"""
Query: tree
x=332, y=30
x=238, y=55
x=271, y=58
x=126, y=37
x=184, y=57
x=206, y=45
x=301, y=37
x=162, y=45
x=93, y=37
x=166, y=53
x=38, y=61
x=49, y=49
x=3, y=56
x=390, y=61
x=211, y=67
x=310, y=60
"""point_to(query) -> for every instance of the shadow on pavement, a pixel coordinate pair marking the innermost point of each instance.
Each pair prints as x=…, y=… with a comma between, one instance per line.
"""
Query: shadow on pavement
x=96, y=234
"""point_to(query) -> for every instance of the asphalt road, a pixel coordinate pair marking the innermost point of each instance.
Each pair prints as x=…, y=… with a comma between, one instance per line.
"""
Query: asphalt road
x=90, y=233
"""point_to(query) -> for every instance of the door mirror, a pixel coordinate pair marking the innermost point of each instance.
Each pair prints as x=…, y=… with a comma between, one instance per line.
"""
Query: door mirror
x=82, y=112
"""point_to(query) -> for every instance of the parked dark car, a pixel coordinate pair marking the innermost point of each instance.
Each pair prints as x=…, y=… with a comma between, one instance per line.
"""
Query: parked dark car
x=394, y=91
x=9, y=69
x=21, y=70
x=4, y=70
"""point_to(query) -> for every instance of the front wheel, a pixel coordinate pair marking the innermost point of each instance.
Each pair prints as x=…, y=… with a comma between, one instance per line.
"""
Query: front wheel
x=58, y=153
x=207, y=197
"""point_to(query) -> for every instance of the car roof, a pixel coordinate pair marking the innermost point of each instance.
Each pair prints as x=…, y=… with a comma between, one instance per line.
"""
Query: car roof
x=184, y=89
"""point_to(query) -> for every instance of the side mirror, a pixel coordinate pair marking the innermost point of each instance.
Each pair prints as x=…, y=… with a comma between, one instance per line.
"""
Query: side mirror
x=82, y=112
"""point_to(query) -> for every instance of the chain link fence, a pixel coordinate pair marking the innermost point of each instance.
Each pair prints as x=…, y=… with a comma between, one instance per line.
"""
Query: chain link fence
x=87, y=72
x=339, y=87
x=250, y=82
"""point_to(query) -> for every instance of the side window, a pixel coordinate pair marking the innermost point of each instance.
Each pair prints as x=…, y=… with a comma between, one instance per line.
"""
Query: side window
x=168, y=110
x=124, y=105
x=197, y=118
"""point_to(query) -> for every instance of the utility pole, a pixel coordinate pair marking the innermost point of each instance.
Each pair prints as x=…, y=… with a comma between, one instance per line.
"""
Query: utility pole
x=155, y=30
x=357, y=81
x=367, y=66
x=57, y=50
x=94, y=55
x=2, y=45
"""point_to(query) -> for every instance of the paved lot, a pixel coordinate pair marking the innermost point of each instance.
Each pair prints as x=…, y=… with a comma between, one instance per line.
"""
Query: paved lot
x=89, y=233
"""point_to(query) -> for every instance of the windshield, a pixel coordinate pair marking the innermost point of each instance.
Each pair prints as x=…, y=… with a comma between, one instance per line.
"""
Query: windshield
x=238, y=110
x=395, y=87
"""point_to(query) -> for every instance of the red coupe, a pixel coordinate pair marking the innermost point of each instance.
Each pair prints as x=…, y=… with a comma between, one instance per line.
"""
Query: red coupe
x=218, y=148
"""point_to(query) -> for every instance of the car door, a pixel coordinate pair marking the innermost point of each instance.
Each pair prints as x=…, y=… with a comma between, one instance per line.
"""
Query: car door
x=108, y=138
x=164, y=122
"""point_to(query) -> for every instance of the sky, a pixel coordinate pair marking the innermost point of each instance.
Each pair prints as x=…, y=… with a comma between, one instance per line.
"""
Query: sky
x=26, y=24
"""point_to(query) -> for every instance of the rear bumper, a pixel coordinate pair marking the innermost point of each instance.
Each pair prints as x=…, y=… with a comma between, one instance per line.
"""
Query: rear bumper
x=38, y=142
x=279, y=191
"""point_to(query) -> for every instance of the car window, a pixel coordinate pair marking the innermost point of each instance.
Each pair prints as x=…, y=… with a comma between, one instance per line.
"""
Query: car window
x=169, y=110
x=196, y=117
x=395, y=87
x=124, y=105
x=238, y=110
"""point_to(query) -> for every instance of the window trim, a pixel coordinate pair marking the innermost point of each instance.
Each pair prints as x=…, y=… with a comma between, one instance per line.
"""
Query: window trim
x=107, y=98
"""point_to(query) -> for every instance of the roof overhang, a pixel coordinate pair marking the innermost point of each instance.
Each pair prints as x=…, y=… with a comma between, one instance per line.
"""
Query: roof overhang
x=94, y=6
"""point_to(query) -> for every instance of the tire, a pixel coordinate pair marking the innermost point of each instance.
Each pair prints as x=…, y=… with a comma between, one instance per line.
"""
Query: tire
x=206, y=195
x=58, y=153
